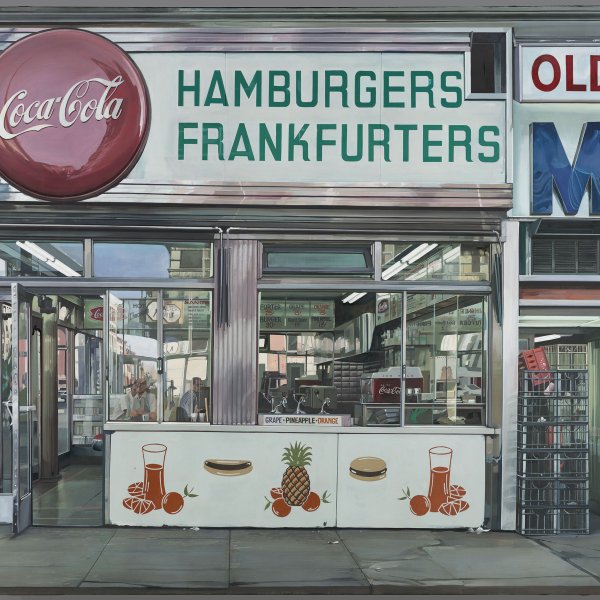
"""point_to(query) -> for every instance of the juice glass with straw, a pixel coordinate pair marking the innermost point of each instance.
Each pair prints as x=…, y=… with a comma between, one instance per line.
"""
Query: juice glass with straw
x=154, y=472
x=440, y=460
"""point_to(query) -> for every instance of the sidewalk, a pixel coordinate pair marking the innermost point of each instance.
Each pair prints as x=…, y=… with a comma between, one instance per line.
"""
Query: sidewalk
x=252, y=561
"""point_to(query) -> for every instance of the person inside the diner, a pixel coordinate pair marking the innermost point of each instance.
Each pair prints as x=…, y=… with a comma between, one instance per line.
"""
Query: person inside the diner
x=140, y=402
x=192, y=402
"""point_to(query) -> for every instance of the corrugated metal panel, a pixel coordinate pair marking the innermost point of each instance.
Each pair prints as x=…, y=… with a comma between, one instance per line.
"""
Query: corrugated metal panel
x=235, y=377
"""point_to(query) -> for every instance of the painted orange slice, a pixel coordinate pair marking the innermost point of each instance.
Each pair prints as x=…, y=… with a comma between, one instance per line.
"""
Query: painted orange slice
x=456, y=492
x=136, y=489
x=453, y=507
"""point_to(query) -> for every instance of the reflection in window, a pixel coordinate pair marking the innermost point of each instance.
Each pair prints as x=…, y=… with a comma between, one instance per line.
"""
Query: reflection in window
x=133, y=356
x=177, y=260
x=187, y=326
x=24, y=258
x=419, y=261
x=446, y=359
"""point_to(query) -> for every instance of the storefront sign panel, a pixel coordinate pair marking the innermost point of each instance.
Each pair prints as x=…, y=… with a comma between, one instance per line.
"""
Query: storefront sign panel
x=325, y=118
x=74, y=114
x=221, y=479
x=560, y=73
x=231, y=479
x=557, y=160
x=411, y=481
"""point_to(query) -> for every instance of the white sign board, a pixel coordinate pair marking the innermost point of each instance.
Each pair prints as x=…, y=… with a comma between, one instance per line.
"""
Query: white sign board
x=559, y=73
x=231, y=479
x=318, y=117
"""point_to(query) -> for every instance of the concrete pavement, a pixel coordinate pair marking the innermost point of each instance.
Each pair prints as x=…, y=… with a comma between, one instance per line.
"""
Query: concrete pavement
x=325, y=561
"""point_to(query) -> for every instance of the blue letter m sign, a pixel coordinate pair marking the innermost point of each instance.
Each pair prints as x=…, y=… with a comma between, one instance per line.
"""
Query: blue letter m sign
x=551, y=169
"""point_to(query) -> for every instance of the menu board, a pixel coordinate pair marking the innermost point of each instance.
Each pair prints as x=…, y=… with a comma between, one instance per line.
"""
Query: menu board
x=297, y=315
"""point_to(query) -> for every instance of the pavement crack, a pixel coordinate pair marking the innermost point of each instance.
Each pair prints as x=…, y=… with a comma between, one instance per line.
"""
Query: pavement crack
x=97, y=559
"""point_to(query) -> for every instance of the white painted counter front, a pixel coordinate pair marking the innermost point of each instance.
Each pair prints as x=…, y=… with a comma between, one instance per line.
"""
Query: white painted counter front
x=354, y=479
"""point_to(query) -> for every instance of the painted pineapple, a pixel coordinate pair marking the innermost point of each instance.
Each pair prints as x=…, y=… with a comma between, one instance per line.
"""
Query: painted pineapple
x=296, y=483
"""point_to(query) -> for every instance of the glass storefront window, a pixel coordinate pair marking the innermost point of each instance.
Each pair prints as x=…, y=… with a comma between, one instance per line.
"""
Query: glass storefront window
x=291, y=260
x=25, y=258
x=446, y=359
x=186, y=335
x=177, y=260
x=343, y=353
x=448, y=261
x=133, y=356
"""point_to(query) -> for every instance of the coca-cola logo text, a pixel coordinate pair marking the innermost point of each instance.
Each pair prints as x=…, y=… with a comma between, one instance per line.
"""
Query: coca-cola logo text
x=389, y=390
x=97, y=313
x=74, y=114
x=81, y=102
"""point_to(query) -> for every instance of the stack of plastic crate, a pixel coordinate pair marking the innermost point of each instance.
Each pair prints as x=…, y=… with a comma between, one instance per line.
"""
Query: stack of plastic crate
x=553, y=452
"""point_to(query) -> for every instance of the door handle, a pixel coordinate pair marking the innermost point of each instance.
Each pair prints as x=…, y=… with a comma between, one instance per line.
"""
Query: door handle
x=28, y=408
x=160, y=365
x=8, y=406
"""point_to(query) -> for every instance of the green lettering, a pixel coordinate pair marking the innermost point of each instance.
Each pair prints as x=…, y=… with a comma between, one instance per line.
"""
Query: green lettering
x=241, y=137
x=295, y=139
x=207, y=140
x=321, y=141
x=283, y=88
x=314, y=87
x=494, y=145
x=265, y=139
x=182, y=88
x=216, y=85
x=341, y=87
x=241, y=84
x=465, y=142
x=426, y=88
x=372, y=97
x=182, y=140
x=359, y=144
x=429, y=143
x=453, y=89
x=405, y=129
x=388, y=89
x=384, y=142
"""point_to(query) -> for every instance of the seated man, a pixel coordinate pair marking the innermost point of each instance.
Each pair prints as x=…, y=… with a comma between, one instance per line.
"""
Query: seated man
x=190, y=400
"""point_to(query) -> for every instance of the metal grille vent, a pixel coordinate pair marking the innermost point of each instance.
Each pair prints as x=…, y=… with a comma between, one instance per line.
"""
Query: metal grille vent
x=565, y=256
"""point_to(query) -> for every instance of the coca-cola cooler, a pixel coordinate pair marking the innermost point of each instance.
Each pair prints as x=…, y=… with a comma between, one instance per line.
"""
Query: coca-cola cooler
x=385, y=386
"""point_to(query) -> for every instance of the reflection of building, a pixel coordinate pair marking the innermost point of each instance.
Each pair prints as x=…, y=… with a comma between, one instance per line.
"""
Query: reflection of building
x=189, y=262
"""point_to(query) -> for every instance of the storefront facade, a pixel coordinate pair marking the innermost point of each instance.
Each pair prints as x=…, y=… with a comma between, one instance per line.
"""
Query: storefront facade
x=555, y=201
x=293, y=308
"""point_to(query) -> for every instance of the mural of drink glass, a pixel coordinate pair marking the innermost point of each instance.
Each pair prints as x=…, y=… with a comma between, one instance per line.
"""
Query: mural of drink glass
x=442, y=497
x=150, y=494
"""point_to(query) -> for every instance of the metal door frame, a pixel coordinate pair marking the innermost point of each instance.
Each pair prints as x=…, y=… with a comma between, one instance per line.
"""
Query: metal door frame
x=22, y=506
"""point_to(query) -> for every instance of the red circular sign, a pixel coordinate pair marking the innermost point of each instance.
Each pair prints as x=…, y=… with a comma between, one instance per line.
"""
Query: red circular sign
x=74, y=114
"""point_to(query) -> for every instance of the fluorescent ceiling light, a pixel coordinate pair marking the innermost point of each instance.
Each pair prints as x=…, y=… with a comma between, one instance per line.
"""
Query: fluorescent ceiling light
x=395, y=268
x=547, y=338
x=428, y=248
x=48, y=259
x=419, y=252
x=353, y=297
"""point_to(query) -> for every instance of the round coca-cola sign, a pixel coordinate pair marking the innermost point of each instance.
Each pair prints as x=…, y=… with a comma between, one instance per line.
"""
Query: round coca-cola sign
x=74, y=114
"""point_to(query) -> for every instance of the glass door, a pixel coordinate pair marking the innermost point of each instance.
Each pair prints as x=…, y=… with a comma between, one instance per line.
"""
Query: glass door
x=22, y=408
x=5, y=412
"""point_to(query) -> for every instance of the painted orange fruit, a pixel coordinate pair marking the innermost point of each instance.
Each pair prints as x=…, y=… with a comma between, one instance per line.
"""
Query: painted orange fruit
x=136, y=489
x=453, y=507
x=419, y=505
x=281, y=508
x=172, y=503
x=312, y=502
x=276, y=493
x=457, y=491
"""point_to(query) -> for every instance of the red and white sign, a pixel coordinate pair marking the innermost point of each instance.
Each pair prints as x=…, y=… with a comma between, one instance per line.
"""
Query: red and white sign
x=74, y=114
x=559, y=74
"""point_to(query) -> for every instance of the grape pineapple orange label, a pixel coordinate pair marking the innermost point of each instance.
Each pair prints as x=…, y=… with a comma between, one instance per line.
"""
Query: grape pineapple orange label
x=74, y=114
